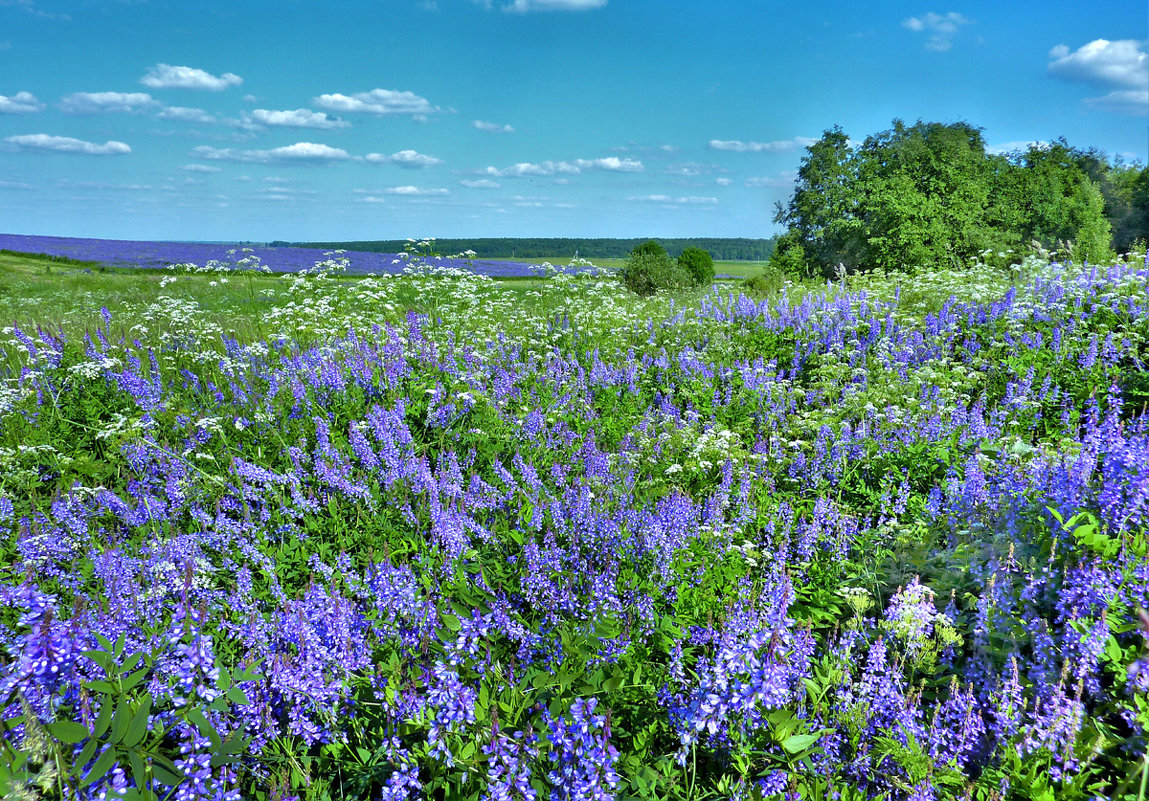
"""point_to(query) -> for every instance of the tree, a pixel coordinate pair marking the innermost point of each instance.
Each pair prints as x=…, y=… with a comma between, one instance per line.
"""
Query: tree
x=648, y=248
x=927, y=194
x=699, y=264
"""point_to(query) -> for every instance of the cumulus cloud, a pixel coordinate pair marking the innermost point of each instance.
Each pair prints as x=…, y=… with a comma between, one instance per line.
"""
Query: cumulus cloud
x=299, y=153
x=201, y=168
x=377, y=101
x=105, y=102
x=940, y=28
x=184, y=114
x=492, y=127
x=20, y=103
x=414, y=191
x=611, y=163
x=408, y=159
x=482, y=183
x=526, y=168
x=298, y=118
x=780, y=146
x=667, y=199
x=166, y=76
x=66, y=144
x=525, y=6
x=1120, y=66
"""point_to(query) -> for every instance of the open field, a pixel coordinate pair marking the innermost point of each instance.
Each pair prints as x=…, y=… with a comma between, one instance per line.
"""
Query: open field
x=437, y=535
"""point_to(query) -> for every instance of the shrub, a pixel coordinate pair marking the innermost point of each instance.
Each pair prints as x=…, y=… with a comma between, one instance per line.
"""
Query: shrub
x=789, y=257
x=646, y=273
x=766, y=283
x=699, y=264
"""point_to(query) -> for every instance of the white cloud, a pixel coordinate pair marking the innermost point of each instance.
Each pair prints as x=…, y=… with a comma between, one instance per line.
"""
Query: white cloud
x=377, y=101
x=524, y=6
x=15, y=185
x=1134, y=102
x=299, y=153
x=612, y=163
x=165, y=76
x=102, y=102
x=492, y=127
x=204, y=168
x=526, y=168
x=20, y=103
x=184, y=114
x=413, y=191
x=299, y=118
x=785, y=179
x=482, y=183
x=723, y=181
x=781, y=146
x=942, y=28
x=691, y=199
x=65, y=144
x=1121, y=66
x=408, y=159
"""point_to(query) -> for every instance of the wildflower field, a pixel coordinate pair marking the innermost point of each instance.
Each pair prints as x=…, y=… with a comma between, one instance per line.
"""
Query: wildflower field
x=432, y=535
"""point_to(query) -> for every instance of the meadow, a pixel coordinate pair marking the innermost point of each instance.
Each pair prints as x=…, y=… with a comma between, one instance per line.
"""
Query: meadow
x=436, y=535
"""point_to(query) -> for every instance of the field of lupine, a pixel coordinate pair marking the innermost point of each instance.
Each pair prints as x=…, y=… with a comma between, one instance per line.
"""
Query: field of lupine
x=433, y=537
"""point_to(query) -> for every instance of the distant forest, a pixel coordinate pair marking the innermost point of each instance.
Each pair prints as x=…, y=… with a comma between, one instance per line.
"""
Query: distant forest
x=564, y=248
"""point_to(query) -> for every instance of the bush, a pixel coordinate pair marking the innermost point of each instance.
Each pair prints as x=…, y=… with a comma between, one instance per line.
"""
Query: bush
x=789, y=257
x=699, y=264
x=646, y=273
x=764, y=283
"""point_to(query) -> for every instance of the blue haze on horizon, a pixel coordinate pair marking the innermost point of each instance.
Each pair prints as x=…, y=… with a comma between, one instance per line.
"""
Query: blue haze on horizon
x=259, y=121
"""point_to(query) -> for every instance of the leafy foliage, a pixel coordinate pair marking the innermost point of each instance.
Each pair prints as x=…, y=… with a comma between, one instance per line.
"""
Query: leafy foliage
x=699, y=264
x=930, y=194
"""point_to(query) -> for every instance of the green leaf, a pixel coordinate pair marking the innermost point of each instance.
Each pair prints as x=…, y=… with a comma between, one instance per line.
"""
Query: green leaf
x=164, y=770
x=101, y=658
x=104, y=719
x=614, y=682
x=134, y=679
x=796, y=743
x=120, y=720
x=88, y=752
x=205, y=728
x=237, y=696
x=69, y=731
x=101, y=768
x=139, y=725
x=139, y=772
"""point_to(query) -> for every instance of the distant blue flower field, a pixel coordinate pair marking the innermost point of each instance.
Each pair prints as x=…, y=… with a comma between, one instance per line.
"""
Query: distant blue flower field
x=161, y=255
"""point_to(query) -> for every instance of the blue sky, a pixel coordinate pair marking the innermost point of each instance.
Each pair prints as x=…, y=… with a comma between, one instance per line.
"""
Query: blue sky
x=163, y=119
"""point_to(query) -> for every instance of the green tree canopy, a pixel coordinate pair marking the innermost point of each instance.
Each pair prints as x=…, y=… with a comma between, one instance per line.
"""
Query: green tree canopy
x=929, y=193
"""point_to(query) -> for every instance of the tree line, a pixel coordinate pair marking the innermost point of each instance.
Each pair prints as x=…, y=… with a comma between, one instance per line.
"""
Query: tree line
x=562, y=248
x=930, y=193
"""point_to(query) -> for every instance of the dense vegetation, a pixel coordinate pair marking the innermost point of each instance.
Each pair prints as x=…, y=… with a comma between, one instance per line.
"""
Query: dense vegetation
x=565, y=248
x=437, y=536
x=929, y=194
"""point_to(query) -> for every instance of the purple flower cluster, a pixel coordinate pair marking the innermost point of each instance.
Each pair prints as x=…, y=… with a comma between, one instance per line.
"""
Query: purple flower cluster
x=472, y=603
